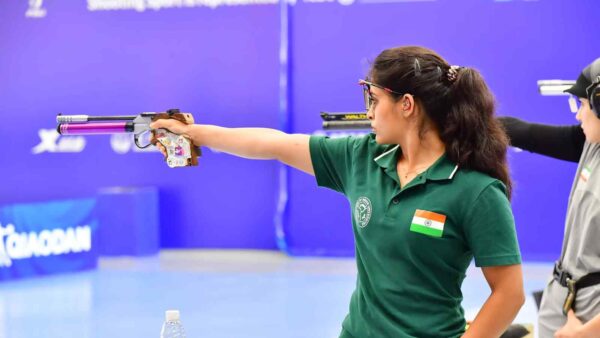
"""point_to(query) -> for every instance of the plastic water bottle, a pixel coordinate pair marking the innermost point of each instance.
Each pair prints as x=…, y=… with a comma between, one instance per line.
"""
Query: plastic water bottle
x=172, y=327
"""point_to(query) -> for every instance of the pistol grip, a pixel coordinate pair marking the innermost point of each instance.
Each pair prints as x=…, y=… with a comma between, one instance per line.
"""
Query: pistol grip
x=194, y=151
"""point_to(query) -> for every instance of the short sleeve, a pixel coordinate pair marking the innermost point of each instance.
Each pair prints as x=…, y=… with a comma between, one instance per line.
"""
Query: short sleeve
x=332, y=161
x=490, y=228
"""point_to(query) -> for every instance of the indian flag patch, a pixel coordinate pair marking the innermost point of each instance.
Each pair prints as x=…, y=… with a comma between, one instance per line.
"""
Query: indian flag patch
x=585, y=174
x=428, y=223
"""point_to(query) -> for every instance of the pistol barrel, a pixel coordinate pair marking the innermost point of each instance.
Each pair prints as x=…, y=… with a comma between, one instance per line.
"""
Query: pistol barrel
x=87, y=118
x=359, y=124
x=94, y=128
x=554, y=87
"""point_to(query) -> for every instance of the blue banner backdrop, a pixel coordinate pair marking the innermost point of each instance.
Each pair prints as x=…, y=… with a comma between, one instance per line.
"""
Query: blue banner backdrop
x=47, y=238
x=220, y=60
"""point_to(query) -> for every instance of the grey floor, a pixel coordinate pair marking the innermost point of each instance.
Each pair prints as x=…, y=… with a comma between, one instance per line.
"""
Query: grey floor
x=220, y=294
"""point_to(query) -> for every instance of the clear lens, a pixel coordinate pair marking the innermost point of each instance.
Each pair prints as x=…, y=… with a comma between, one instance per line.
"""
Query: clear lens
x=367, y=96
x=574, y=104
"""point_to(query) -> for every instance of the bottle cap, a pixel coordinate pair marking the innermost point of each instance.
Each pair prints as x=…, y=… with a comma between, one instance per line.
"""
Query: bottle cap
x=172, y=315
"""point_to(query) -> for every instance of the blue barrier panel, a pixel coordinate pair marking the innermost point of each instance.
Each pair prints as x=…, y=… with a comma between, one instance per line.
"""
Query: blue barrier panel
x=128, y=219
x=47, y=238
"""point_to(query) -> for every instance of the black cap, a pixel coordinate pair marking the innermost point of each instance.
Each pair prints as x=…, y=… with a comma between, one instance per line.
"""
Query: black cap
x=578, y=89
x=583, y=81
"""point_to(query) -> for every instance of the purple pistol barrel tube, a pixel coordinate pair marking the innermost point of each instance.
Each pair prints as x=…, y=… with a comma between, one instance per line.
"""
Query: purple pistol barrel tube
x=93, y=128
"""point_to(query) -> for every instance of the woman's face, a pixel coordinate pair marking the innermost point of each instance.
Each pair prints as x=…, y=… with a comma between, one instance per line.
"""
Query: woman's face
x=590, y=123
x=386, y=116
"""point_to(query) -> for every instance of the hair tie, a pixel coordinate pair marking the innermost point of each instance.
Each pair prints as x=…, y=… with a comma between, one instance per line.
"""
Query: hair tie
x=453, y=73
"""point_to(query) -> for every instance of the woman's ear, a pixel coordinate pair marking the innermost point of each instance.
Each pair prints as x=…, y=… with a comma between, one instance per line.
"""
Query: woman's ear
x=407, y=105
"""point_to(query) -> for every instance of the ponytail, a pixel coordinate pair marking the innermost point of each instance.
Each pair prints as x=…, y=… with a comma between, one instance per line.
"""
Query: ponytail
x=474, y=138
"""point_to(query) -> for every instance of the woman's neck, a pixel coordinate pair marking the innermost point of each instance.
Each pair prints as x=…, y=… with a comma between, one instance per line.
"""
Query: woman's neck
x=420, y=150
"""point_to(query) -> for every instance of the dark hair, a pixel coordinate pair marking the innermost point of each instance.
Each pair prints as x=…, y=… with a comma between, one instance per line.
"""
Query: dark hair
x=457, y=101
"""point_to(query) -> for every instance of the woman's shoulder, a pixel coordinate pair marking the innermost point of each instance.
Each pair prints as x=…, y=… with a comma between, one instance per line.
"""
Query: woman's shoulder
x=476, y=181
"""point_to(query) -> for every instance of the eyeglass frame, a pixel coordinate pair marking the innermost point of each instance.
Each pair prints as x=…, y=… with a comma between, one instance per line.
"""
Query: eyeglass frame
x=367, y=92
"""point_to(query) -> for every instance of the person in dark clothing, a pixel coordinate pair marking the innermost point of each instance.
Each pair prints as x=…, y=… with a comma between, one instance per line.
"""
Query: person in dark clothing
x=570, y=305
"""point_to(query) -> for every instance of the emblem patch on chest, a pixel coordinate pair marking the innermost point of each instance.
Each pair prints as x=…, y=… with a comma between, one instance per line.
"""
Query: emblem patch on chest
x=428, y=223
x=362, y=211
x=585, y=174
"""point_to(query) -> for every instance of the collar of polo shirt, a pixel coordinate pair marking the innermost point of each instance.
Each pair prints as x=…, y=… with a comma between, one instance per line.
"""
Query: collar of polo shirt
x=441, y=169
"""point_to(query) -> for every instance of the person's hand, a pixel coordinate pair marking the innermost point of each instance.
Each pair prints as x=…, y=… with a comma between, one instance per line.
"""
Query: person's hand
x=171, y=125
x=572, y=328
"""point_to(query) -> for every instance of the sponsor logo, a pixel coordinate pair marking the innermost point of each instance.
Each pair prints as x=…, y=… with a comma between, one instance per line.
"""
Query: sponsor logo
x=51, y=242
x=52, y=142
x=143, y=5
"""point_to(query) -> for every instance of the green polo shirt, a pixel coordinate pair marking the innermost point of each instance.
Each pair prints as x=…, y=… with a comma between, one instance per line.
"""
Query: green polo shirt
x=413, y=243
